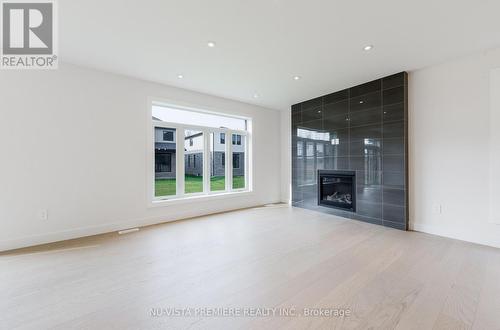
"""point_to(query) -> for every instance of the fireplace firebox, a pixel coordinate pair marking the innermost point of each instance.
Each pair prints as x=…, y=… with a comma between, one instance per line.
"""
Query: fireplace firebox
x=337, y=189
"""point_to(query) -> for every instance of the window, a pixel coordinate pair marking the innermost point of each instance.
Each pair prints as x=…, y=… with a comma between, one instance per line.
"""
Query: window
x=168, y=136
x=190, y=152
x=165, y=176
x=193, y=175
x=236, y=139
x=163, y=162
x=236, y=161
x=239, y=163
x=217, y=163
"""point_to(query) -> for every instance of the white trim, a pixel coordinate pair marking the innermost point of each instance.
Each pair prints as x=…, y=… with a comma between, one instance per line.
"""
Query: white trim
x=80, y=232
x=179, y=163
x=443, y=232
x=199, y=197
x=180, y=166
x=191, y=107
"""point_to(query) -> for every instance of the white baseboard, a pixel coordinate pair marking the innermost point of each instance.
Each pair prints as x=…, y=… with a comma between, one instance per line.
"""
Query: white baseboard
x=434, y=230
x=33, y=240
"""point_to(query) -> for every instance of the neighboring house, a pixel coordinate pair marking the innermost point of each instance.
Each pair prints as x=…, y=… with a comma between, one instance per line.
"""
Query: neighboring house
x=164, y=153
x=193, y=154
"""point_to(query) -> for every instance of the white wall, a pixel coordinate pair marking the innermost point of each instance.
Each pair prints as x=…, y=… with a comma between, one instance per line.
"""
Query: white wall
x=495, y=146
x=286, y=156
x=73, y=141
x=450, y=143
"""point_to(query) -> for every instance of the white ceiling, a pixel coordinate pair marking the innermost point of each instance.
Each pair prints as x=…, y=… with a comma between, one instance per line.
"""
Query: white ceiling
x=262, y=44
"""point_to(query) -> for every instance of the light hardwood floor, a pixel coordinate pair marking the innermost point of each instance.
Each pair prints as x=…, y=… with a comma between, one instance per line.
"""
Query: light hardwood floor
x=256, y=258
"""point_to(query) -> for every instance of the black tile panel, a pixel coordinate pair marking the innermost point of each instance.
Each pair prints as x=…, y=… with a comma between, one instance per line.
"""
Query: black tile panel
x=366, y=88
x=312, y=114
x=337, y=108
x=394, y=196
x=368, y=164
x=360, y=147
x=395, y=225
x=394, y=130
x=371, y=220
x=336, y=97
x=315, y=125
x=393, y=163
x=334, y=122
x=369, y=178
x=367, y=117
x=369, y=193
x=394, y=213
x=314, y=103
x=395, y=80
x=341, y=134
x=365, y=102
x=394, y=95
x=372, y=141
x=340, y=148
x=394, y=146
x=394, y=112
x=366, y=132
x=369, y=209
x=296, y=117
x=393, y=179
x=336, y=163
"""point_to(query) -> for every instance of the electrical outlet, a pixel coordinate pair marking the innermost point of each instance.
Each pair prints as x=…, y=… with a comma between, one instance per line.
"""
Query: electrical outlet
x=43, y=214
x=437, y=209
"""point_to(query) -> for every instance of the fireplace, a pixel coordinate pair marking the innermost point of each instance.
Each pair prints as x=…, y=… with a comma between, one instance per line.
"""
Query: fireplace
x=337, y=189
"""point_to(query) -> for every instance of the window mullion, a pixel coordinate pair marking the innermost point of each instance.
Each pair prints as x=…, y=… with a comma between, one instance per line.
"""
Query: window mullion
x=206, y=161
x=179, y=163
x=229, y=160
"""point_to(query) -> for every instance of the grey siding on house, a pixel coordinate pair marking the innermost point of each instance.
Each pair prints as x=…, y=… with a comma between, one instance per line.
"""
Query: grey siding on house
x=194, y=165
x=217, y=169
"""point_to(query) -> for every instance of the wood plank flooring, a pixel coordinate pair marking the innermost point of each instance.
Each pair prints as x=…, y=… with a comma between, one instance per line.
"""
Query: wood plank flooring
x=291, y=259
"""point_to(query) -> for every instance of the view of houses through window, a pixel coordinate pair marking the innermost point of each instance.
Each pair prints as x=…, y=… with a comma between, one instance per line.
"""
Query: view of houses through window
x=202, y=166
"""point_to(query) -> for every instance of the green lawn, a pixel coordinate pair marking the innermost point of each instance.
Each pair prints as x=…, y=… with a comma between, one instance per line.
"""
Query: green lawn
x=166, y=187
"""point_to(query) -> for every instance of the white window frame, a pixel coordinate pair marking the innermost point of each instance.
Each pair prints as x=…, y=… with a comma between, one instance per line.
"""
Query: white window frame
x=180, y=159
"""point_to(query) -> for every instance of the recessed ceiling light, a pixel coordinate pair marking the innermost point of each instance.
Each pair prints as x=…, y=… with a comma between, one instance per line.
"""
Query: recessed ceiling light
x=368, y=47
x=361, y=102
x=296, y=77
x=211, y=44
x=180, y=76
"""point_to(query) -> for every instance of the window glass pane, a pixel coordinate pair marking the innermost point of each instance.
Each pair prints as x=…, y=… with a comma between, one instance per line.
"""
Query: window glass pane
x=193, y=161
x=222, y=138
x=171, y=115
x=217, y=163
x=239, y=162
x=165, y=151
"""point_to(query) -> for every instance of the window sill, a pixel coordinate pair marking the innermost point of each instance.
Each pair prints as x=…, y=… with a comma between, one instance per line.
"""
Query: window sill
x=199, y=198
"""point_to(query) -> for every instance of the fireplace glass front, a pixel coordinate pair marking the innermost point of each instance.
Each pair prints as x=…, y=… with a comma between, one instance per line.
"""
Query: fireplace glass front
x=337, y=189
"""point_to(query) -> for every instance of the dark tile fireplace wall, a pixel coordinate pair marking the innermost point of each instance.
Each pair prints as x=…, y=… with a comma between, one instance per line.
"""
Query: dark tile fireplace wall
x=362, y=129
